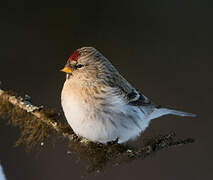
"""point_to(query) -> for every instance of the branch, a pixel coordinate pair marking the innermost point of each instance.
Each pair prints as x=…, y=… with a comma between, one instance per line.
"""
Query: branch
x=37, y=124
x=24, y=107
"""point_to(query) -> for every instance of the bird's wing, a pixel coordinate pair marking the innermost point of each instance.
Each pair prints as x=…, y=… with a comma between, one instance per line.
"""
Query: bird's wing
x=124, y=89
x=130, y=94
x=135, y=98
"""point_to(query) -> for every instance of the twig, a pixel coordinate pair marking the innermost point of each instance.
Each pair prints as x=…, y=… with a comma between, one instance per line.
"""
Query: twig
x=37, y=111
x=38, y=123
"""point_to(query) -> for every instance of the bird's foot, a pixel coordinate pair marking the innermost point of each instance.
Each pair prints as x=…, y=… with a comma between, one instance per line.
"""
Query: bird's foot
x=113, y=142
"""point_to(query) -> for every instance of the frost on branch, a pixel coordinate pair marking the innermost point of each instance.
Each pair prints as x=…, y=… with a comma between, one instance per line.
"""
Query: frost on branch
x=37, y=124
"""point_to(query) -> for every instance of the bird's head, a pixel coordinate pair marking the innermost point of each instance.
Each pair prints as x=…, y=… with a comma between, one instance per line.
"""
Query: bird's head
x=87, y=63
x=80, y=60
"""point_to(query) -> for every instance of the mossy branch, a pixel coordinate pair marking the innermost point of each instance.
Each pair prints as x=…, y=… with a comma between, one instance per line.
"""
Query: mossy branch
x=38, y=123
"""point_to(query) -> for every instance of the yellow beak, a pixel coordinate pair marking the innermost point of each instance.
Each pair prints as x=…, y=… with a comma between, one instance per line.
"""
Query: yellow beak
x=67, y=69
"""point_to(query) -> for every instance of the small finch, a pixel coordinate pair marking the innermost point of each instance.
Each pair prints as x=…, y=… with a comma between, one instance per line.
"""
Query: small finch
x=100, y=105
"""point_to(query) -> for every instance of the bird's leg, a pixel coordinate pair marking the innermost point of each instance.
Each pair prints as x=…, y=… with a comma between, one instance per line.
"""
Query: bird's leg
x=113, y=142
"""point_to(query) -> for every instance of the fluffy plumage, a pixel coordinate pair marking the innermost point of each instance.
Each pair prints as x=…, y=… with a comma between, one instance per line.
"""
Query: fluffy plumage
x=100, y=104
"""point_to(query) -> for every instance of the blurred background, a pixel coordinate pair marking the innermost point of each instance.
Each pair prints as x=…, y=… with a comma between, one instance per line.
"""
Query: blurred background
x=163, y=48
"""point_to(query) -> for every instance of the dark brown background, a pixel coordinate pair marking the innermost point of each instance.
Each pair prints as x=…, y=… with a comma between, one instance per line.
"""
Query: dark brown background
x=164, y=48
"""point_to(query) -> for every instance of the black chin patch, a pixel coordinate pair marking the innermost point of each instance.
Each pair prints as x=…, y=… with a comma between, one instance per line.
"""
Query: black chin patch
x=68, y=76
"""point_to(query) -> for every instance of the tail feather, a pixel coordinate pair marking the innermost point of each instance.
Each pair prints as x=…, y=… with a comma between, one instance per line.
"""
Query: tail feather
x=180, y=113
x=164, y=111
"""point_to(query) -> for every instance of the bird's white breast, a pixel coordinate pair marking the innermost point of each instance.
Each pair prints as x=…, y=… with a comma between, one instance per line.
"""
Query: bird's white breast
x=101, y=122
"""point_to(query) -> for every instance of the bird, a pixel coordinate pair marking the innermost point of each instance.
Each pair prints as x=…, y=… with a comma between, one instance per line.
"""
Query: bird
x=100, y=104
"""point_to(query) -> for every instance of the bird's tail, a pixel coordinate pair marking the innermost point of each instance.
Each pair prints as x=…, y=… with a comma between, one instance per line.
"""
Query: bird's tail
x=179, y=113
x=164, y=111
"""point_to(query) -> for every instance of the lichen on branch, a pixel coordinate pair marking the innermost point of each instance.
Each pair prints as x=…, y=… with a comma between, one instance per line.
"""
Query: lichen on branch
x=37, y=124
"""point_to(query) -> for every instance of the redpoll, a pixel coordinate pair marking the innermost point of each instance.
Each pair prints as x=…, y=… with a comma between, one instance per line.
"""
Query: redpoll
x=100, y=105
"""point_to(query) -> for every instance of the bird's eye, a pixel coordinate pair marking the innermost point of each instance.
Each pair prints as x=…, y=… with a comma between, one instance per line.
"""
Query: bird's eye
x=79, y=66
